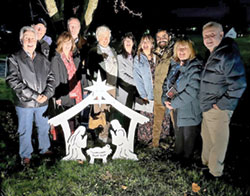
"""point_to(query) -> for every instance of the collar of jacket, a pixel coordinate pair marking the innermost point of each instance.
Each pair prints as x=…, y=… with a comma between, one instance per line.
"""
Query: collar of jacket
x=26, y=54
x=99, y=51
x=144, y=58
x=190, y=63
x=182, y=67
x=225, y=42
x=166, y=55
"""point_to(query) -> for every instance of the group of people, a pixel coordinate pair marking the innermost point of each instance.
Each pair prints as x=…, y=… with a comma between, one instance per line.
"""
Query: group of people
x=194, y=96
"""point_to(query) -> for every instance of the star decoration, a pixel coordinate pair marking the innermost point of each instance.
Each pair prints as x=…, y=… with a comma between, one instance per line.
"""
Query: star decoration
x=99, y=88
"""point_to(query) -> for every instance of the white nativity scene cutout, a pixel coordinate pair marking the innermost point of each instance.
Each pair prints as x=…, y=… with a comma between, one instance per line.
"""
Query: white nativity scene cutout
x=78, y=140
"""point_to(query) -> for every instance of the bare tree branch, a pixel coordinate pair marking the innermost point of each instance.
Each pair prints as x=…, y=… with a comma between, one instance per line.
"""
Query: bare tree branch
x=124, y=7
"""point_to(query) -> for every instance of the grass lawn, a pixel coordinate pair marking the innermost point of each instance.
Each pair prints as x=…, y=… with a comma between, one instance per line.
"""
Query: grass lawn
x=155, y=174
x=5, y=92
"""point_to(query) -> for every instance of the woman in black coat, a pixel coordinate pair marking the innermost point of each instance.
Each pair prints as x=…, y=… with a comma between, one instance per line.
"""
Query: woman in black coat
x=67, y=70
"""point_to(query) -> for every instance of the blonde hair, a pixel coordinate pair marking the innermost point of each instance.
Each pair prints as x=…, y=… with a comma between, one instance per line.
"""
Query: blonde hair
x=64, y=37
x=144, y=37
x=187, y=42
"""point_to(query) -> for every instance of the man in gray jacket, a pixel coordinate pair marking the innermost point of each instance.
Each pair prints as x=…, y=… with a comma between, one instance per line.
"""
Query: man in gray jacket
x=31, y=78
x=223, y=82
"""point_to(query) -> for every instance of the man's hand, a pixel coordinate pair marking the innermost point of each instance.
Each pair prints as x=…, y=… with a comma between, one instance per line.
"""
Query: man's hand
x=168, y=105
x=41, y=98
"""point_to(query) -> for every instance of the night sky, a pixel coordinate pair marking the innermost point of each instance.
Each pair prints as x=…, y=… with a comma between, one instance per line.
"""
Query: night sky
x=177, y=14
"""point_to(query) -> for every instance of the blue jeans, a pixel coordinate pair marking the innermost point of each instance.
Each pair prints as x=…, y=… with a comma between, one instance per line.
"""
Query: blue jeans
x=26, y=116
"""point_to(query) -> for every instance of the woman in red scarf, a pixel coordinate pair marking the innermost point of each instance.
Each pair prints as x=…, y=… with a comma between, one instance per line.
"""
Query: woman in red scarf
x=67, y=69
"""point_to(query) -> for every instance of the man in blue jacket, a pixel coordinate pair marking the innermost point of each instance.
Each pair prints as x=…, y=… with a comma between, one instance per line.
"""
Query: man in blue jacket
x=223, y=82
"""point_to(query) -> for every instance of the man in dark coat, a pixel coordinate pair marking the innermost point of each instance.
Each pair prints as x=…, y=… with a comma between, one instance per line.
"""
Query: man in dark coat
x=223, y=82
x=44, y=42
x=31, y=78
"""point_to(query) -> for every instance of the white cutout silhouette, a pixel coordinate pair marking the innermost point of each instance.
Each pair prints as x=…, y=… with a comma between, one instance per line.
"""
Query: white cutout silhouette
x=119, y=138
x=99, y=153
x=99, y=95
x=76, y=142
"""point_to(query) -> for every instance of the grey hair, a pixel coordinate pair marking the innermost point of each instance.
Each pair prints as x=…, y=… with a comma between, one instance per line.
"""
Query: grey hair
x=73, y=18
x=213, y=24
x=102, y=29
x=25, y=29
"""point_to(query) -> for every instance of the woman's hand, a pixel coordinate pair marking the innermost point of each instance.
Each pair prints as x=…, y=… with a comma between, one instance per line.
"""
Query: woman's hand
x=168, y=105
x=215, y=107
x=59, y=102
x=145, y=101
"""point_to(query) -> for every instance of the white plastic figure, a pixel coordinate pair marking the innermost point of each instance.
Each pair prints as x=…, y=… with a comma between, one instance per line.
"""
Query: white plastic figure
x=99, y=90
x=99, y=153
x=119, y=138
x=75, y=143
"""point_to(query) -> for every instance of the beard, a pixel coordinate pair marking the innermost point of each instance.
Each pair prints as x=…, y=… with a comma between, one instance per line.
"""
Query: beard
x=162, y=44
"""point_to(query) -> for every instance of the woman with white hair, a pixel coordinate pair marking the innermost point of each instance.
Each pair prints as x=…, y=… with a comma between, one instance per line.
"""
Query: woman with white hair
x=103, y=58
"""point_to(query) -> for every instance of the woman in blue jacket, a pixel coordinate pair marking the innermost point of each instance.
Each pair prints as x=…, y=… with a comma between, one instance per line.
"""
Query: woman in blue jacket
x=180, y=95
x=143, y=72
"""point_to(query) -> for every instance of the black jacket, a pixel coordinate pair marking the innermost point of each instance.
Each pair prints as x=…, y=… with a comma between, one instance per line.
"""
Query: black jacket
x=95, y=63
x=30, y=78
x=223, y=79
x=61, y=76
x=43, y=47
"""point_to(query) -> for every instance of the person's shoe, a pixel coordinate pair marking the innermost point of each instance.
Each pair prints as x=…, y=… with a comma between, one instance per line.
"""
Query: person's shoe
x=186, y=162
x=48, y=153
x=175, y=158
x=154, y=144
x=210, y=176
x=164, y=146
x=199, y=165
x=25, y=162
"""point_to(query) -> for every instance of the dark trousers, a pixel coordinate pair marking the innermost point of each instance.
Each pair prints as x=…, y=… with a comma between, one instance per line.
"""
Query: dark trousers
x=185, y=137
x=185, y=140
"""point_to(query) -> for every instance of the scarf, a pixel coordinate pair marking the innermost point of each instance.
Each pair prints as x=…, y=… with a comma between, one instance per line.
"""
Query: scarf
x=74, y=85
